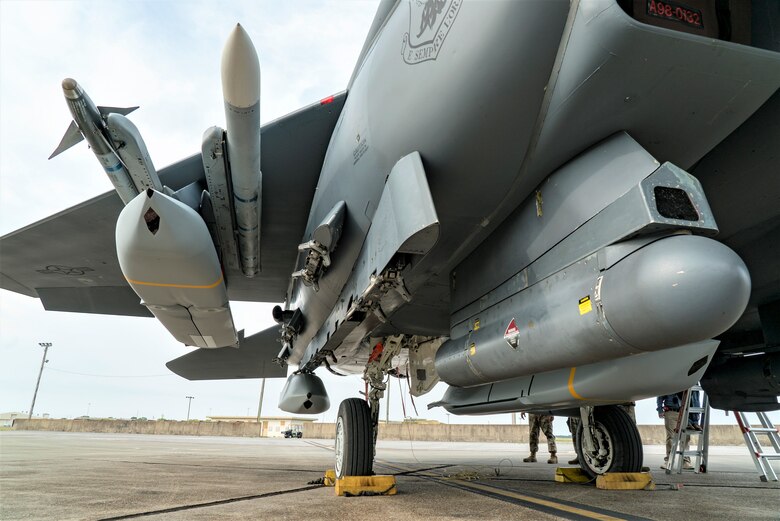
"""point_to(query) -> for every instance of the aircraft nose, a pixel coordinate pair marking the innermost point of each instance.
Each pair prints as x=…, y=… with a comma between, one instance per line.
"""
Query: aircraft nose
x=675, y=291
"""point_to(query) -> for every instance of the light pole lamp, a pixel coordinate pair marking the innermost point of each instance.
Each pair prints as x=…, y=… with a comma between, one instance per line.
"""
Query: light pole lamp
x=45, y=346
x=189, y=403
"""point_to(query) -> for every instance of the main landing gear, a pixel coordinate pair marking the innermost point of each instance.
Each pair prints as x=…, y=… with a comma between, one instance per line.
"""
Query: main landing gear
x=607, y=440
x=354, y=439
x=358, y=420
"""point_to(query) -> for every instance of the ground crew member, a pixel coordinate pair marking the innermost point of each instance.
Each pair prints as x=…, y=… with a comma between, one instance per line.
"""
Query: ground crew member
x=573, y=424
x=668, y=408
x=545, y=423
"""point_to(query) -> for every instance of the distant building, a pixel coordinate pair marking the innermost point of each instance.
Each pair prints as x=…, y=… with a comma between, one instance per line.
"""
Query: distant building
x=7, y=418
x=421, y=421
x=273, y=426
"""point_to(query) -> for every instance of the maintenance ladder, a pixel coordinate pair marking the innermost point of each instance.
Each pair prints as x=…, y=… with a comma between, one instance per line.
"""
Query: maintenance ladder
x=683, y=433
x=760, y=458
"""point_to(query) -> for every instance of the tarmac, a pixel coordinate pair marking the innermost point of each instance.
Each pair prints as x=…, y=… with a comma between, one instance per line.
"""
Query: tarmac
x=63, y=476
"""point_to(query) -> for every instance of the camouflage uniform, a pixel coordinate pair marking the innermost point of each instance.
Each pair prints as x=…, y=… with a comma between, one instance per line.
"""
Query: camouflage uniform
x=573, y=423
x=535, y=422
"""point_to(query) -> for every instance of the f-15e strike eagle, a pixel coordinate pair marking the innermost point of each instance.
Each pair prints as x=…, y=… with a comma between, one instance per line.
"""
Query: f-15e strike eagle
x=552, y=206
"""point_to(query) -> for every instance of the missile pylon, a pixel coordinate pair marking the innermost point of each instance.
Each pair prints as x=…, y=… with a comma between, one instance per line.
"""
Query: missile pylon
x=241, y=92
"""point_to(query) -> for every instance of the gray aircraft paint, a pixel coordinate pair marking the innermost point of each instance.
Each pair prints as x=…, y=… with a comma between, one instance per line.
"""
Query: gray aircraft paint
x=131, y=149
x=213, y=154
x=469, y=205
x=439, y=117
x=508, y=93
x=167, y=257
x=560, y=391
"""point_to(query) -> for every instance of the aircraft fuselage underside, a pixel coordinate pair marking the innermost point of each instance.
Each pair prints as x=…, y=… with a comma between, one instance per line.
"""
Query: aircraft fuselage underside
x=488, y=141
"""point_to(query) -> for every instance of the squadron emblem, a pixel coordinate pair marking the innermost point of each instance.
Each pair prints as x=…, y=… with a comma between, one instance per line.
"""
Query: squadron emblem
x=429, y=23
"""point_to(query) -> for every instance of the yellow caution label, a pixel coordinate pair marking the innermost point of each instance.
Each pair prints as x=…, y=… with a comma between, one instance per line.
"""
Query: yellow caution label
x=585, y=305
x=476, y=325
x=473, y=349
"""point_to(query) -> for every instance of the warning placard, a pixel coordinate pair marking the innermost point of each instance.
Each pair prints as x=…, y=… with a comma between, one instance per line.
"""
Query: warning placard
x=512, y=334
x=585, y=305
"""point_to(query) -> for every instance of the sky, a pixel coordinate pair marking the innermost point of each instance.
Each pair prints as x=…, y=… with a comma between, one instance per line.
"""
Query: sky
x=164, y=57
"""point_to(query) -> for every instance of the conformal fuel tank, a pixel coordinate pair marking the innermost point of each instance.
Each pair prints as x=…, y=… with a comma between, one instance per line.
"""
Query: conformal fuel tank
x=168, y=258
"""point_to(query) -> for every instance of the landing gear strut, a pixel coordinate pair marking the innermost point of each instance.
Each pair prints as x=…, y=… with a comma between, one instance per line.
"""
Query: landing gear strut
x=358, y=420
x=608, y=441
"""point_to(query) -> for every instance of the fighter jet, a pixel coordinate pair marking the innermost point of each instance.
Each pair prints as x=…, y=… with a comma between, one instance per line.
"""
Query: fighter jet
x=552, y=206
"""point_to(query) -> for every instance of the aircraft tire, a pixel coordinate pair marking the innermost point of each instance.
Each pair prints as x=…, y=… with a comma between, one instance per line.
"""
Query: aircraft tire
x=354, y=439
x=619, y=436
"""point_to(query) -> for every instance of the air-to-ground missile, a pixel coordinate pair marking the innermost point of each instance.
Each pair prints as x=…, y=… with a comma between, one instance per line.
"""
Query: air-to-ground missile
x=241, y=90
x=168, y=258
x=114, y=140
x=610, y=258
x=675, y=291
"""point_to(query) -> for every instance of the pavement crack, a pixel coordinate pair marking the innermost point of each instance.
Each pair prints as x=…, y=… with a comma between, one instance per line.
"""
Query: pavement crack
x=209, y=503
x=415, y=471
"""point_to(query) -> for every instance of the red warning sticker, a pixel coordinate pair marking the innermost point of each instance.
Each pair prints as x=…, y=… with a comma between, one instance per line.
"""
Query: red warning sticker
x=512, y=334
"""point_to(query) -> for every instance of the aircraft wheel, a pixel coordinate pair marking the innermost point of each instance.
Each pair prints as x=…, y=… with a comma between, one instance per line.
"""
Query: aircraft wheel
x=354, y=439
x=618, y=444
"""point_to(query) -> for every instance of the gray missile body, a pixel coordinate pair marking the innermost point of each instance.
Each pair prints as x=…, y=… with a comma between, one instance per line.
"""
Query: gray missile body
x=167, y=256
x=89, y=122
x=241, y=91
x=114, y=140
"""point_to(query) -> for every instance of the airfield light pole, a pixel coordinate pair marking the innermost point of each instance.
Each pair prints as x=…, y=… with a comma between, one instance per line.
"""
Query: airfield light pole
x=189, y=403
x=45, y=346
x=260, y=404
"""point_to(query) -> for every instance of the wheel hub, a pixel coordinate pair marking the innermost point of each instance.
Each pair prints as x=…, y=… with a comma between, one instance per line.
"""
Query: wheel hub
x=339, y=447
x=600, y=461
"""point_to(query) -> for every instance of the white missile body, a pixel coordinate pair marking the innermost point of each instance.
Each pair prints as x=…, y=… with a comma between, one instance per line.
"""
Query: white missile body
x=241, y=91
x=167, y=256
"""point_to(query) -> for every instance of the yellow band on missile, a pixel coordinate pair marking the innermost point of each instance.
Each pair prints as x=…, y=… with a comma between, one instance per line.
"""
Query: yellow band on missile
x=571, y=384
x=185, y=286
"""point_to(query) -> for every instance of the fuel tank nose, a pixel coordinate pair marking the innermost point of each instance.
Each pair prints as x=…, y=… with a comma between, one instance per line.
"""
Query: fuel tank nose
x=675, y=291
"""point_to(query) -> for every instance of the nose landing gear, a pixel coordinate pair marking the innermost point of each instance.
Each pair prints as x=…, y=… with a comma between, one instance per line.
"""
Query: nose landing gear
x=358, y=420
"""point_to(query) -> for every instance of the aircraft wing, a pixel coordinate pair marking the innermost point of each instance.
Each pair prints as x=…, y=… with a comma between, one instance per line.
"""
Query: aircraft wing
x=69, y=260
x=253, y=358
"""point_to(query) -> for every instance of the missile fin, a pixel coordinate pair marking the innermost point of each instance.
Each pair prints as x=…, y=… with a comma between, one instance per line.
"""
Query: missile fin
x=105, y=111
x=72, y=136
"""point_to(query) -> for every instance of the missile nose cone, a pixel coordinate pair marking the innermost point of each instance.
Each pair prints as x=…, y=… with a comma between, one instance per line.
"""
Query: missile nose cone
x=71, y=88
x=240, y=70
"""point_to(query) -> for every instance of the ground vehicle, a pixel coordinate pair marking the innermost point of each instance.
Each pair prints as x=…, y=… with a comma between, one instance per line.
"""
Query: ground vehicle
x=292, y=433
